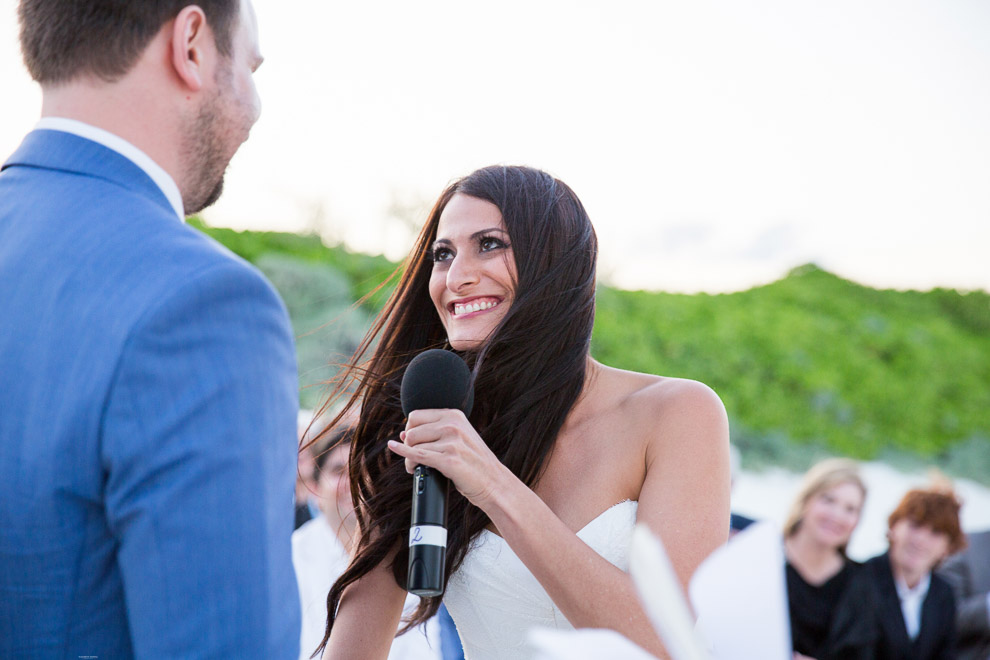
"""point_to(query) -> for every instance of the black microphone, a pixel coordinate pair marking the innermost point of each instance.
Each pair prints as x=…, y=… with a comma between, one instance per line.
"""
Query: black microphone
x=434, y=379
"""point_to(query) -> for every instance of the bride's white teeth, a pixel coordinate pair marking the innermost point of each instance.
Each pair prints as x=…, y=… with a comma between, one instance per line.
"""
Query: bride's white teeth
x=468, y=308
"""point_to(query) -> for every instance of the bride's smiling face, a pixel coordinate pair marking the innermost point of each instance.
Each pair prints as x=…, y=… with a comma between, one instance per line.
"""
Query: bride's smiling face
x=474, y=271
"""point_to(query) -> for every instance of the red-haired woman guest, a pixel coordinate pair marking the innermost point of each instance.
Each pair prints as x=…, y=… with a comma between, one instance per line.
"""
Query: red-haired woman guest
x=917, y=608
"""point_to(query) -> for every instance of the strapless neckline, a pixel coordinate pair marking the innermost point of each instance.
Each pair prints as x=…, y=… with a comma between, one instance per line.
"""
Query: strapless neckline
x=580, y=531
x=495, y=601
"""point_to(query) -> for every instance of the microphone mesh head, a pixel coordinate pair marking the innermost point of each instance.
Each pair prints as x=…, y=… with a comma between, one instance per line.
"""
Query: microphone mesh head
x=437, y=379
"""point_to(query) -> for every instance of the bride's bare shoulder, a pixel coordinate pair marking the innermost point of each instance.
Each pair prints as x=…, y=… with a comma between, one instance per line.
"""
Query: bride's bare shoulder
x=649, y=395
x=679, y=422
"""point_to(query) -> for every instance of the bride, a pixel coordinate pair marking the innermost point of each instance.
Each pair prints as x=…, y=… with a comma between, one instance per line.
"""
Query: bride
x=560, y=456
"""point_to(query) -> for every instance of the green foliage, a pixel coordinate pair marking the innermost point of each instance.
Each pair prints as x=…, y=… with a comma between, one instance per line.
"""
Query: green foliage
x=775, y=449
x=328, y=327
x=364, y=273
x=970, y=458
x=807, y=366
x=824, y=361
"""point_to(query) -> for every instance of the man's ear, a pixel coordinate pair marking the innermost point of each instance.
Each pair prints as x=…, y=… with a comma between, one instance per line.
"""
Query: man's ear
x=191, y=42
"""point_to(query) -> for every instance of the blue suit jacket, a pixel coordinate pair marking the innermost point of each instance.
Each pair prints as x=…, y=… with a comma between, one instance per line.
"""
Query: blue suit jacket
x=148, y=401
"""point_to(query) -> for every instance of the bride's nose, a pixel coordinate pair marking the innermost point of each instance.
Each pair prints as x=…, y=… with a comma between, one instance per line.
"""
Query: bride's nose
x=464, y=272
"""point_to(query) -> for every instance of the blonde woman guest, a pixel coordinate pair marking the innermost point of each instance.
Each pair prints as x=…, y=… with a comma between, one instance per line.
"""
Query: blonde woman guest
x=830, y=610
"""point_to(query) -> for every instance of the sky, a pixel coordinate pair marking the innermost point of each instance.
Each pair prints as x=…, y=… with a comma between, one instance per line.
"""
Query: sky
x=716, y=145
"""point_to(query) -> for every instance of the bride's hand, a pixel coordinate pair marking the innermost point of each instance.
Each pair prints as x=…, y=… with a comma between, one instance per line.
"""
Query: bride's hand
x=446, y=441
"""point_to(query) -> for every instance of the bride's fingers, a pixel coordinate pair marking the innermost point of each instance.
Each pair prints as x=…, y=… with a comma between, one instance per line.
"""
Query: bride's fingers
x=428, y=416
x=433, y=432
x=401, y=449
x=467, y=470
x=412, y=455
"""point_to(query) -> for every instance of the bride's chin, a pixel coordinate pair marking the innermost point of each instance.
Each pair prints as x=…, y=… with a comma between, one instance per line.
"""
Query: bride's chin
x=463, y=344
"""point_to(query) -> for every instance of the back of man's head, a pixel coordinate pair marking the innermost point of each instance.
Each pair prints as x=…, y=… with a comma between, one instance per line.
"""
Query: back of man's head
x=64, y=39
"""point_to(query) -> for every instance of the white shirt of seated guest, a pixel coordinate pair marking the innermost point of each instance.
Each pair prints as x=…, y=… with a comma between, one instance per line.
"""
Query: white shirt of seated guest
x=319, y=558
x=911, y=602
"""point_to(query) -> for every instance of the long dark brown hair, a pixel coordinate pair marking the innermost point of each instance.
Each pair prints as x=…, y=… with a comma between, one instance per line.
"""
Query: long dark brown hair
x=528, y=373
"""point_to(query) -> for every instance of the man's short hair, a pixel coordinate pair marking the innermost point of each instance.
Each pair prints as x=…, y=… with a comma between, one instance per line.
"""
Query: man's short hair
x=62, y=39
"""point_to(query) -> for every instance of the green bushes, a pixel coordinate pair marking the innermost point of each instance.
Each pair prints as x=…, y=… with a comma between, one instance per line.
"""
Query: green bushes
x=327, y=326
x=364, y=273
x=823, y=361
x=808, y=365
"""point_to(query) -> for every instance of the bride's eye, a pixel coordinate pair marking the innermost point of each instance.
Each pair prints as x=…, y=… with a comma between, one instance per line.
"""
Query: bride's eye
x=489, y=243
x=440, y=253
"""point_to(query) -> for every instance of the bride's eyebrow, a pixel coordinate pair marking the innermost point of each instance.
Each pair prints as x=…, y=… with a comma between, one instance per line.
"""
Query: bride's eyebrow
x=482, y=232
x=476, y=235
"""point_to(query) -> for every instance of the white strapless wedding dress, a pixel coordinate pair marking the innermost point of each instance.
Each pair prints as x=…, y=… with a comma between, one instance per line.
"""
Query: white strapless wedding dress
x=495, y=600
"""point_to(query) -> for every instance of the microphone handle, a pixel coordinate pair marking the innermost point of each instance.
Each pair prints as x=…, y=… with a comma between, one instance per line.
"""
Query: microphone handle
x=427, y=533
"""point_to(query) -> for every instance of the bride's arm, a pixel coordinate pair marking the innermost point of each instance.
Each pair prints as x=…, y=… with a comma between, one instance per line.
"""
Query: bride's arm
x=684, y=498
x=367, y=618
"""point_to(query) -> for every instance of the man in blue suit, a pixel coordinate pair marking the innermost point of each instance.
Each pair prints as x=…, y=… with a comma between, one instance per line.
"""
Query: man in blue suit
x=148, y=388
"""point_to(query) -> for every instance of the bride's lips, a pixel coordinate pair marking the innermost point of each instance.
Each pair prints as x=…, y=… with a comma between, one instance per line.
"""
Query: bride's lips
x=466, y=307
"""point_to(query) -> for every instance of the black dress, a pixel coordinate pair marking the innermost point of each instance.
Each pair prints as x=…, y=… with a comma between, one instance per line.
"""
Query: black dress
x=835, y=619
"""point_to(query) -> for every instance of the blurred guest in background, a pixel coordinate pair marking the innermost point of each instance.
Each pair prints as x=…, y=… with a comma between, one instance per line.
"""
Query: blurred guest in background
x=321, y=550
x=968, y=573
x=306, y=501
x=916, y=607
x=830, y=611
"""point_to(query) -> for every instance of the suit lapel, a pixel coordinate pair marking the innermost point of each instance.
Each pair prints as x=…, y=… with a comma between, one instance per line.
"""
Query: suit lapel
x=57, y=150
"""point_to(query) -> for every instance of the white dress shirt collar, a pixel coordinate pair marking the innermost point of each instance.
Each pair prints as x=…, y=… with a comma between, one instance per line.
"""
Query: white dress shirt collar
x=125, y=149
x=911, y=602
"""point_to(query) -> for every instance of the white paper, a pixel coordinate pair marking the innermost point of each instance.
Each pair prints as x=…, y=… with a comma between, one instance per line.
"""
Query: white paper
x=740, y=597
x=428, y=535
